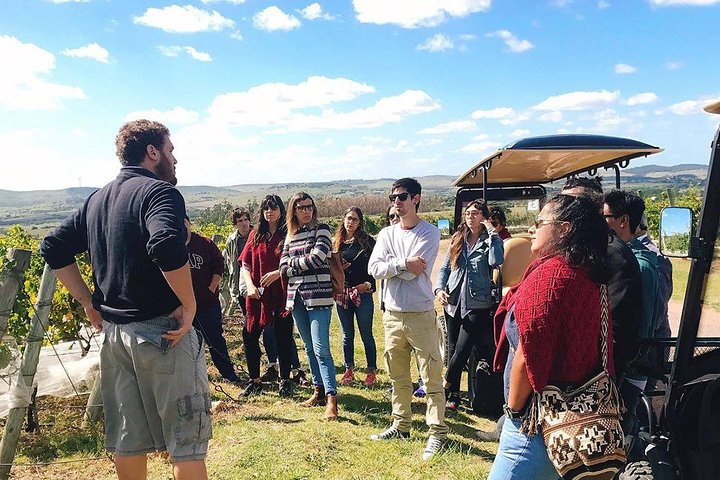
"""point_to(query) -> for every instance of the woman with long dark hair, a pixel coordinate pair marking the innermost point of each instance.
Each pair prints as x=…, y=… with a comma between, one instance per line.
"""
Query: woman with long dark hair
x=355, y=246
x=265, y=300
x=464, y=288
x=305, y=264
x=549, y=327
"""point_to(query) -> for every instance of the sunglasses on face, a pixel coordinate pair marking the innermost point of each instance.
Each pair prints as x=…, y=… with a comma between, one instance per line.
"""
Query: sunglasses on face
x=393, y=216
x=304, y=208
x=402, y=196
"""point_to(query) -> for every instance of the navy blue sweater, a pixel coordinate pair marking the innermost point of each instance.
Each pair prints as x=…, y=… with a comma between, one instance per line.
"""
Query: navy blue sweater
x=133, y=230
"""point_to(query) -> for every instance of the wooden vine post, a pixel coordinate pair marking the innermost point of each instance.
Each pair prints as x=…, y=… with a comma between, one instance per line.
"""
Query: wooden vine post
x=11, y=277
x=28, y=367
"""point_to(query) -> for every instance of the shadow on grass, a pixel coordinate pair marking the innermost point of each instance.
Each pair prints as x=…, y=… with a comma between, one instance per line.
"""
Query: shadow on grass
x=272, y=418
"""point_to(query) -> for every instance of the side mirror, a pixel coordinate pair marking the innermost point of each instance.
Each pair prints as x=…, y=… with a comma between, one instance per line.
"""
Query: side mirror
x=675, y=231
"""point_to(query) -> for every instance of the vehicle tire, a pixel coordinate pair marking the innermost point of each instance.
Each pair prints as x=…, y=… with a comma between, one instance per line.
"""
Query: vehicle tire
x=637, y=471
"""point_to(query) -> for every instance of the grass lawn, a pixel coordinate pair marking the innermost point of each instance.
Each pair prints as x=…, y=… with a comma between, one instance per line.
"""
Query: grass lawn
x=266, y=437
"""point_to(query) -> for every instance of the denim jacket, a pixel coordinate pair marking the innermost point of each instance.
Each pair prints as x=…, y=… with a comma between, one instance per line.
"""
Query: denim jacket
x=487, y=252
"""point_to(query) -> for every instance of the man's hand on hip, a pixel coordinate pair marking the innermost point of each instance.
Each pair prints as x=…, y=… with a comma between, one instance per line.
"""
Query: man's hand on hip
x=185, y=317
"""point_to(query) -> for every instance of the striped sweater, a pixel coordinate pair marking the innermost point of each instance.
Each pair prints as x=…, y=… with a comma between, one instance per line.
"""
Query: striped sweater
x=304, y=263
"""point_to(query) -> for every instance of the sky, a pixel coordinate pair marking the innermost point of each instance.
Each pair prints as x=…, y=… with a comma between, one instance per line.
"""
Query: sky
x=257, y=91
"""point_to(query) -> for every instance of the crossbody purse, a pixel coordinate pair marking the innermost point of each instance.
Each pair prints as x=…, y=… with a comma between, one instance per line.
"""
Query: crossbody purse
x=581, y=426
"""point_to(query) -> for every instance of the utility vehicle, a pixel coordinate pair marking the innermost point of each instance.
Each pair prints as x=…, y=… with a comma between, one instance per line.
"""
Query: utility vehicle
x=681, y=438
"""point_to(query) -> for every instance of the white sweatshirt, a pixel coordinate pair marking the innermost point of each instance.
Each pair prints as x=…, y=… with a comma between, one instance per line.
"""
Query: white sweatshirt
x=405, y=292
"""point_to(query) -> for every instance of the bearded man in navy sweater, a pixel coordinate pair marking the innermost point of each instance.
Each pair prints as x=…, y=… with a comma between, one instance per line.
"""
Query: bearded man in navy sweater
x=154, y=376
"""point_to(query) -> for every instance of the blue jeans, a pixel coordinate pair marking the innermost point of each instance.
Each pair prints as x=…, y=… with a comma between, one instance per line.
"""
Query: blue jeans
x=314, y=328
x=364, y=314
x=520, y=456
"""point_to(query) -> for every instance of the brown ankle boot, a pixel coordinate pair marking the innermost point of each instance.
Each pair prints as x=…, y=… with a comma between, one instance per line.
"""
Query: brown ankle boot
x=317, y=398
x=331, y=412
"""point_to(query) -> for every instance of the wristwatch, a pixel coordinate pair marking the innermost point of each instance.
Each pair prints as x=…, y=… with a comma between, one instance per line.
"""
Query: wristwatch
x=512, y=414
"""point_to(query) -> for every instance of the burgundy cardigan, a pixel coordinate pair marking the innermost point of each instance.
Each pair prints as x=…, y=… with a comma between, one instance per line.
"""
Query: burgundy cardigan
x=557, y=309
x=258, y=260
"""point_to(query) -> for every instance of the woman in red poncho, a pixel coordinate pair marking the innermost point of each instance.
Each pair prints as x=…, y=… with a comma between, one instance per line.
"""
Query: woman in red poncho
x=548, y=327
x=266, y=293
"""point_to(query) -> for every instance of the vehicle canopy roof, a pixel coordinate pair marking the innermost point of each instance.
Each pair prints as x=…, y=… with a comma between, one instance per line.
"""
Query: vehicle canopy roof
x=538, y=160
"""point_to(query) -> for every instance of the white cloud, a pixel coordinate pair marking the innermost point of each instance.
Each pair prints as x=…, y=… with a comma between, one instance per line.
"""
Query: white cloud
x=578, y=100
x=602, y=5
x=669, y=3
x=234, y=2
x=495, y=113
x=428, y=142
x=92, y=51
x=624, y=68
x=554, y=117
x=688, y=107
x=480, y=137
x=289, y=107
x=607, y=120
x=674, y=65
x=642, y=99
x=467, y=37
x=187, y=19
x=314, y=11
x=272, y=19
x=176, y=50
x=436, y=43
x=236, y=35
x=177, y=115
x=520, y=132
x=481, y=147
x=415, y=13
x=513, y=43
x=449, y=127
x=23, y=84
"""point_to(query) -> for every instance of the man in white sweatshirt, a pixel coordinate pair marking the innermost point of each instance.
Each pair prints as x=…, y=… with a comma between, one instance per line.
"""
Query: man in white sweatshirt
x=404, y=256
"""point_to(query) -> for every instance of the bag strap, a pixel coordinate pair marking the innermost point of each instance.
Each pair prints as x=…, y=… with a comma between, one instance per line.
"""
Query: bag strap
x=604, y=320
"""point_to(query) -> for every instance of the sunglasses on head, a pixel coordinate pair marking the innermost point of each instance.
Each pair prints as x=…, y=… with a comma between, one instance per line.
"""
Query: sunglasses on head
x=402, y=196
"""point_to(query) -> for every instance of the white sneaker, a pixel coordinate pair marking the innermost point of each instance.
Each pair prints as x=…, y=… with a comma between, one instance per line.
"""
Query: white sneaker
x=391, y=433
x=434, y=445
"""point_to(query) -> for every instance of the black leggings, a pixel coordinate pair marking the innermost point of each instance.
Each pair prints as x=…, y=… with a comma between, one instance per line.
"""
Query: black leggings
x=464, y=334
x=283, y=330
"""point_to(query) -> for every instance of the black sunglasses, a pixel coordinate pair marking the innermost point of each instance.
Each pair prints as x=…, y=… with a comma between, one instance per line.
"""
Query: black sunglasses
x=393, y=216
x=402, y=196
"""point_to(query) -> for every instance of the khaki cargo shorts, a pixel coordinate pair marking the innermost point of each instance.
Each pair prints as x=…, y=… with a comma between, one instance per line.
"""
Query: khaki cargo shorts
x=155, y=398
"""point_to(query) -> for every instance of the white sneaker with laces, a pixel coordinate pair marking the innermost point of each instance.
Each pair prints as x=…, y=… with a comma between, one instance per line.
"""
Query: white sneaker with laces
x=391, y=433
x=434, y=445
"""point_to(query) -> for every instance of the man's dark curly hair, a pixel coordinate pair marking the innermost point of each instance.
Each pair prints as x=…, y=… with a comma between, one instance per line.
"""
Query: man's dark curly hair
x=585, y=245
x=621, y=202
x=133, y=138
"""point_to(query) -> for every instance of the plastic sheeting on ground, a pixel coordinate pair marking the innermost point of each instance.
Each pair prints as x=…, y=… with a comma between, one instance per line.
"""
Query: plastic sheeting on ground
x=51, y=378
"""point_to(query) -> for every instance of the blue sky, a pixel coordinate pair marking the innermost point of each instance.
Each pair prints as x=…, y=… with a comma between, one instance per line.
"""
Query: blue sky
x=259, y=91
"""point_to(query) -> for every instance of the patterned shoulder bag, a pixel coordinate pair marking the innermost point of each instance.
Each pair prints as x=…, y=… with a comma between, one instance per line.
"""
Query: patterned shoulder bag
x=581, y=426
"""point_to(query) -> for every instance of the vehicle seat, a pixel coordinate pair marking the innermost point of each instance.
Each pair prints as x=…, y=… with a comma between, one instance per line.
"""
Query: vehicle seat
x=517, y=258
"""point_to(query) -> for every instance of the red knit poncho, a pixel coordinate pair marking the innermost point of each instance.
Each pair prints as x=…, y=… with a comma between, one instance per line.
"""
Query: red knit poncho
x=258, y=260
x=557, y=309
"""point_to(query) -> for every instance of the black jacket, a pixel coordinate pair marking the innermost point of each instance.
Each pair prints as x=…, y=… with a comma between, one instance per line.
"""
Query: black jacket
x=625, y=301
x=133, y=229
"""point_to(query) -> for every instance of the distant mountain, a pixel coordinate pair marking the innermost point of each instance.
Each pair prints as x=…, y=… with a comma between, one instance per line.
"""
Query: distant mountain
x=45, y=208
x=663, y=171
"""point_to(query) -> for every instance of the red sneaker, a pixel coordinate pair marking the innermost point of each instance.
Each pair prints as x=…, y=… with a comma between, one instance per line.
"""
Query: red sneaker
x=370, y=379
x=348, y=378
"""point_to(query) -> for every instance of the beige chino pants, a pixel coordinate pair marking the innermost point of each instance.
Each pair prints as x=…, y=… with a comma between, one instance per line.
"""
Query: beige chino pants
x=418, y=331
